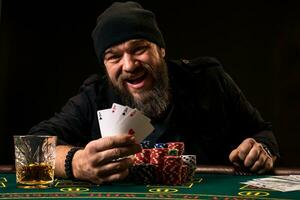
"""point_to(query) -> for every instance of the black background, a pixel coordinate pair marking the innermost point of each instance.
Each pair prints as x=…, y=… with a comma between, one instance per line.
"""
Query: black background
x=46, y=52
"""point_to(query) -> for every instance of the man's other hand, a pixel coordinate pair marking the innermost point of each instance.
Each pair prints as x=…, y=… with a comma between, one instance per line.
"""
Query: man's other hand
x=253, y=156
x=105, y=159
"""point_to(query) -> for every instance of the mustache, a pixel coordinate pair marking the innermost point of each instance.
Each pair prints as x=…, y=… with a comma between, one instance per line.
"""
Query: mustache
x=143, y=68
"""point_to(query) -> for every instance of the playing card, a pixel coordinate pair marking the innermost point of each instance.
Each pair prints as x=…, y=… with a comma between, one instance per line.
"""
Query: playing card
x=120, y=111
x=121, y=119
x=134, y=112
x=293, y=178
x=106, y=122
x=136, y=124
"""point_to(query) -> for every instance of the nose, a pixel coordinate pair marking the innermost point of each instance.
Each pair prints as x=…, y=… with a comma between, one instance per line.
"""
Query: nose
x=129, y=63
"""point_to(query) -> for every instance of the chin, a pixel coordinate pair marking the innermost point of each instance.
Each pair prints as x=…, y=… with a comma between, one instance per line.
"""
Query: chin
x=137, y=96
x=140, y=93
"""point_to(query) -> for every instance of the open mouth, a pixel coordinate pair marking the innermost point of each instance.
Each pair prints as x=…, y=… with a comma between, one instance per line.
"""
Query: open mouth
x=136, y=82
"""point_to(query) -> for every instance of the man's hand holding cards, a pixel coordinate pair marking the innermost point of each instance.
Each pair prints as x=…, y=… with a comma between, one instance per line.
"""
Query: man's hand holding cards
x=121, y=119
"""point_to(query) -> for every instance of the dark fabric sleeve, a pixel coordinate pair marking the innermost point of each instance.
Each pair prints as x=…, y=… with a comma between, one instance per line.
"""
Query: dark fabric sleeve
x=247, y=120
x=70, y=124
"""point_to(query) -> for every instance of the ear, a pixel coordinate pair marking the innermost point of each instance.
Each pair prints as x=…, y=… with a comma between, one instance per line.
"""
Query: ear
x=163, y=52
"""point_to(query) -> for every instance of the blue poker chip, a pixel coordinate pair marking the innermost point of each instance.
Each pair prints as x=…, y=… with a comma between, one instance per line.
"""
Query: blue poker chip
x=160, y=145
x=146, y=144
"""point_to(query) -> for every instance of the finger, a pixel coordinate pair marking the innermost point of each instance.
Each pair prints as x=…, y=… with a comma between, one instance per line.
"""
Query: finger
x=114, y=167
x=105, y=143
x=268, y=165
x=234, y=157
x=119, y=152
x=253, y=155
x=116, y=177
x=260, y=163
x=95, y=174
x=245, y=147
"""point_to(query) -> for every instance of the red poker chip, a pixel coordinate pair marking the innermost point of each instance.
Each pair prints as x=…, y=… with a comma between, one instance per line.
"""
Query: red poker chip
x=143, y=157
x=157, y=155
x=184, y=173
x=176, y=145
x=172, y=170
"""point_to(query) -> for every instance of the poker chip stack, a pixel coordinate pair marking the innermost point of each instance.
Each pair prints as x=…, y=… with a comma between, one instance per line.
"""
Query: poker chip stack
x=172, y=170
x=190, y=162
x=184, y=174
x=143, y=157
x=157, y=158
x=163, y=164
x=176, y=145
x=143, y=173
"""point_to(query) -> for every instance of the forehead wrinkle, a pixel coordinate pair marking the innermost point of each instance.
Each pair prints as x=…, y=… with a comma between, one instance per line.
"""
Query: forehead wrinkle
x=128, y=44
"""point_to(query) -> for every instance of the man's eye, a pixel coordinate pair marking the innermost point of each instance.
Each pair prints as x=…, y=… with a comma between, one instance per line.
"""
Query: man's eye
x=112, y=58
x=140, y=49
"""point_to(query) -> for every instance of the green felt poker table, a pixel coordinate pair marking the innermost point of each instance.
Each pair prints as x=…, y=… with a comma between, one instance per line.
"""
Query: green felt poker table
x=211, y=182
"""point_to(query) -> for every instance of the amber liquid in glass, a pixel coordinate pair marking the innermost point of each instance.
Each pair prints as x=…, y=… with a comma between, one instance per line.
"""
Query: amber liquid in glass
x=37, y=173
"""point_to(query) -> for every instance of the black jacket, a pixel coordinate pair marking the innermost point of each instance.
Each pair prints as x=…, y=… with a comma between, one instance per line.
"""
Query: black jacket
x=209, y=113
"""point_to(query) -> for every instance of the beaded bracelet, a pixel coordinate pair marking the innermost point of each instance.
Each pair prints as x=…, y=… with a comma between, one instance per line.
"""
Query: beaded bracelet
x=68, y=162
x=266, y=148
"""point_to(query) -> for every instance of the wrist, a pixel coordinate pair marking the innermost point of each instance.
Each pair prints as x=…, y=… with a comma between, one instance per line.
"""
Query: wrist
x=76, y=164
x=69, y=162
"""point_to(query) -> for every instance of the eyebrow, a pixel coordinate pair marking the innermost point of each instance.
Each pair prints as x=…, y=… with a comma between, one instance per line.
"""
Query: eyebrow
x=132, y=43
x=110, y=50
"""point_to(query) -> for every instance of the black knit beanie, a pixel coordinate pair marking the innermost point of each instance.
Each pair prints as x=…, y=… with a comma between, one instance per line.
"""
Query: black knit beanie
x=124, y=21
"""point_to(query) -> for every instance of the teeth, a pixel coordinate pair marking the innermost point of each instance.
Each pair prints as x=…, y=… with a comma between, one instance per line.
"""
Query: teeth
x=136, y=80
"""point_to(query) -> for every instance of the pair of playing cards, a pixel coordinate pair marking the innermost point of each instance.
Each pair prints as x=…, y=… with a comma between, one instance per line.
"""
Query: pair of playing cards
x=121, y=119
x=279, y=183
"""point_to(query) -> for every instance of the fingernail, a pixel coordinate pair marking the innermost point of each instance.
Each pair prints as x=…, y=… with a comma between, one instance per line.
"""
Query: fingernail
x=132, y=138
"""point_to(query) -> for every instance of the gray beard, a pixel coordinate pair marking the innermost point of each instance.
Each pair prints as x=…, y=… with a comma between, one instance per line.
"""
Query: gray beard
x=153, y=103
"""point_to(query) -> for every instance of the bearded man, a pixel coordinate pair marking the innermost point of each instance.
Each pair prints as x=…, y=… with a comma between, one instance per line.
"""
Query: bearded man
x=193, y=101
